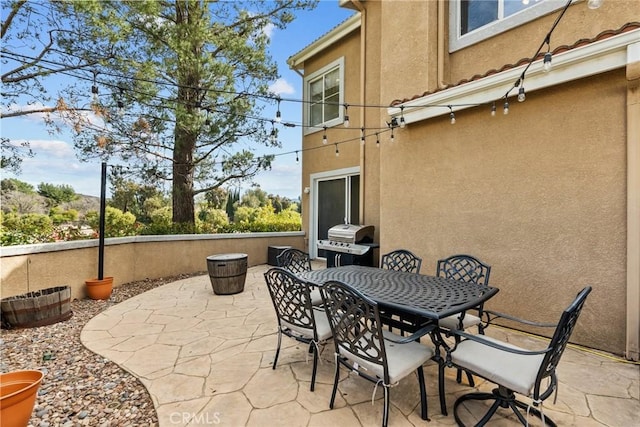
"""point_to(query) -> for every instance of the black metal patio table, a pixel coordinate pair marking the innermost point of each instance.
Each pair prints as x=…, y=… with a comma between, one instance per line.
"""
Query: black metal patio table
x=429, y=297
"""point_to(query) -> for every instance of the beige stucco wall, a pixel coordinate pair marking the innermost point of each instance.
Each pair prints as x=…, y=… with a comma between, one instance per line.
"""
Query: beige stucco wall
x=316, y=156
x=34, y=267
x=539, y=194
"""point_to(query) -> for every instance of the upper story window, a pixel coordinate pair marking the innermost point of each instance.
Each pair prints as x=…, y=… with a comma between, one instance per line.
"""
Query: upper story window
x=471, y=21
x=324, y=93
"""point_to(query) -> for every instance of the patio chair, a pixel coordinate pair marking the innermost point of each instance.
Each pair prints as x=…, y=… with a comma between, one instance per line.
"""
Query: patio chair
x=294, y=260
x=361, y=345
x=513, y=369
x=297, y=318
x=297, y=261
x=407, y=261
x=401, y=260
x=465, y=268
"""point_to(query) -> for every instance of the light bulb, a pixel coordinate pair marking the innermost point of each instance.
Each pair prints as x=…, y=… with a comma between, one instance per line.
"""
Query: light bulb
x=324, y=139
x=278, y=116
x=120, y=108
x=521, y=94
x=393, y=138
x=402, y=122
x=346, y=121
x=493, y=109
x=594, y=4
x=94, y=91
x=546, y=62
x=453, y=118
x=505, y=109
x=337, y=152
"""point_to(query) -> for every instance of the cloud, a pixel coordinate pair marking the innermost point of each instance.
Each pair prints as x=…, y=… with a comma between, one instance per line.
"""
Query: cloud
x=282, y=87
x=268, y=30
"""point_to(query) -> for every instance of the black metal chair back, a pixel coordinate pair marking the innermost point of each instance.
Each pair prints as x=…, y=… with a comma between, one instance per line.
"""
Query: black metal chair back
x=558, y=344
x=355, y=324
x=291, y=299
x=465, y=268
x=296, y=316
x=401, y=260
x=294, y=260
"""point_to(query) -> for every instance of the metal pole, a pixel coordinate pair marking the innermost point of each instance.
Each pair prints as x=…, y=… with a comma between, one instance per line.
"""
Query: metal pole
x=103, y=206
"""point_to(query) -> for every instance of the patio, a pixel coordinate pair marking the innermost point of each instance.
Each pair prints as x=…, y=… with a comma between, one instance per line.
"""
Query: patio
x=206, y=360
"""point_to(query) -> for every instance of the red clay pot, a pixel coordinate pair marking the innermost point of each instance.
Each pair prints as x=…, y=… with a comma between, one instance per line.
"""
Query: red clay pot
x=18, y=391
x=99, y=289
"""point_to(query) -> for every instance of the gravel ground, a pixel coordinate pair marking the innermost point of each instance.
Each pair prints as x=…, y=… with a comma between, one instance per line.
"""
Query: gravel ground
x=79, y=387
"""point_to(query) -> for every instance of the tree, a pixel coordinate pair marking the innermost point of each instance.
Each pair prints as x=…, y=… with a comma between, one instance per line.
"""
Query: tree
x=57, y=193
x=254, y=198
x=38, y=41
x=193, y=76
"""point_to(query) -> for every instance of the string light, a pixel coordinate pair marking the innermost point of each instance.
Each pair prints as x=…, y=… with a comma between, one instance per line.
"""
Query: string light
x=324, y=136
x=346, y=115
x=274, y=133
x=402, y=122
x=493, y=109
x=362, y=135
x=452, y=115
x=505, y=108
x=278, y=114
x=521, y=95
x=297, y=158
x=120, y=102
x=546, y=62
x=94, y=88
x=377, y=140
x=337, y=152
x=594, y=4
x=392, y=138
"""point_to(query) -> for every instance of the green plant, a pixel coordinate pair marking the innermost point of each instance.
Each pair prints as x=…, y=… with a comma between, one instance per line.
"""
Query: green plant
x=116, y=224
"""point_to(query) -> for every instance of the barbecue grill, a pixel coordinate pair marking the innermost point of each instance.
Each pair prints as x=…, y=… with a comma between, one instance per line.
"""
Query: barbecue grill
x=349, y=244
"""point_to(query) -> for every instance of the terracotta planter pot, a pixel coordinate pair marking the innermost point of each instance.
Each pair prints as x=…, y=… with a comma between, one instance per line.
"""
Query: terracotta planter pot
x=18, y=396
x=99, y=289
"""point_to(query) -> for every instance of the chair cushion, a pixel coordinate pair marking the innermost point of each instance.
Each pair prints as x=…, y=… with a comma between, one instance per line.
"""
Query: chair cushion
x=322, y=326
x=452, y=322
x=517, y=372
x=402, y=359
x=316, y=298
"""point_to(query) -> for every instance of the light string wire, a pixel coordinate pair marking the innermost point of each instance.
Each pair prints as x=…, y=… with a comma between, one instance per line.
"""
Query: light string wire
x=373, y=131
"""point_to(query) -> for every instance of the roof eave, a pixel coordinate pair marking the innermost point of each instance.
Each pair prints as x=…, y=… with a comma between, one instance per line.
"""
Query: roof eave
x=296, y=61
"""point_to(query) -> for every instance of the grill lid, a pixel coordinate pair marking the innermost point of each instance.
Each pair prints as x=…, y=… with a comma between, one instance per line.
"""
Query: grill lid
x=351, y=233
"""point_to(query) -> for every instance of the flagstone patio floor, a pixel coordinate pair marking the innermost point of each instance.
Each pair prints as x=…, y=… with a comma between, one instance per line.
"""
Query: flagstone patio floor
x=207, y=359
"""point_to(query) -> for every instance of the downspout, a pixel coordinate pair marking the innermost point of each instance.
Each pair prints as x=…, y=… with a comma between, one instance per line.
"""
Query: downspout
x=441, y=53
x=363, y=67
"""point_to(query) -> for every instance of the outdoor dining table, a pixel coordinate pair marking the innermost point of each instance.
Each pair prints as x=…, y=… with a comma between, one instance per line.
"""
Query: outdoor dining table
x=426, y=298
x=430, y=297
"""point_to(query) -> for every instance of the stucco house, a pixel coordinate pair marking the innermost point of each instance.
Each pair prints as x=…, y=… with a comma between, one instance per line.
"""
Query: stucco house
x=548, y=194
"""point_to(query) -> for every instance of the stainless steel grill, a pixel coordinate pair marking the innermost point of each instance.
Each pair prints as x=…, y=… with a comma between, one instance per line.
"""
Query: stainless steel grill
x=347, y=238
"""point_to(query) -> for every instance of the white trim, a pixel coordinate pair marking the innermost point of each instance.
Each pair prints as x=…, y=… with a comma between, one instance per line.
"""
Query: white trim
x=314, y=178
x=535, y=11
x=595, y=58
x=338, y=63
x=297, y=60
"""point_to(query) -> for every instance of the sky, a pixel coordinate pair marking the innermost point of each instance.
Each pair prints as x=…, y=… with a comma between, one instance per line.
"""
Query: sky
x=55, y=161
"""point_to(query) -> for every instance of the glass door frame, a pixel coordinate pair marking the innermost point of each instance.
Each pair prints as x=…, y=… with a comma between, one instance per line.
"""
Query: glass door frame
x=315, y=178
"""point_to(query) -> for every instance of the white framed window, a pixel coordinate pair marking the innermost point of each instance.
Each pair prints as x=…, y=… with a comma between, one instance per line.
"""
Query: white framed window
x=324, y=96
x=472, y=21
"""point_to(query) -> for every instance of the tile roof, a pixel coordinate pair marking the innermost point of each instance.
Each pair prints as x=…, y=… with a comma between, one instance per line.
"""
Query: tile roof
x=560, y=49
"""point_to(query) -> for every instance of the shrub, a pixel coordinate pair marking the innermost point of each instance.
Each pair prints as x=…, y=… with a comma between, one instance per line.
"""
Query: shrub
x=25, y=229
x=116, y=223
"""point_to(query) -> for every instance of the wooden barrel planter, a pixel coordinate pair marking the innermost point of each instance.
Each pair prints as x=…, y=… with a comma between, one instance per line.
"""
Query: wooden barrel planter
x=38, y=308
x=227, y=273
